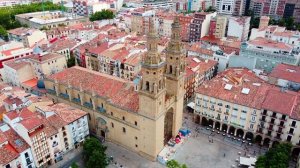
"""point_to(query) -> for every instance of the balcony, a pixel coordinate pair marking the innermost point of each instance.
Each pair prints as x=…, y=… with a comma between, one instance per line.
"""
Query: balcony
x=76, y=100
x=219, y=111
x=28, y=161
x=51, y=91
x=290, y=133
x=212, y=109
x=294, y=126
x=63, y=95
x=101, y=109
x=88, y=105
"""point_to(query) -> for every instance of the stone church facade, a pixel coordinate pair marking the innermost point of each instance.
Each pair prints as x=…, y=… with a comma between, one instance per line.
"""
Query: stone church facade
x=142, y=117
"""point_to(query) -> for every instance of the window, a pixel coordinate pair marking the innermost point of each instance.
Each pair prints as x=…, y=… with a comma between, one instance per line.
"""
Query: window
x=293, y=124
x=26, y=155
x=123, y=118
x=136, y=137
x=112, y=125
x=135, y=123
x=124, y=130
x=136, y=145
x=111, y=113
x=289, y=138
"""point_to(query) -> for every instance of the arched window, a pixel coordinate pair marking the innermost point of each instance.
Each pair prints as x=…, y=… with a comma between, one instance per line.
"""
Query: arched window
x=147, y=85
x=171, y=69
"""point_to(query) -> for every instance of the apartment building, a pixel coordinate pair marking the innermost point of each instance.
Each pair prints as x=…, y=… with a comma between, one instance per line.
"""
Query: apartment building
x=200, y=25
x=49, y=130
x=221, y=24
x=185, y=21
x=28, y=36
x=239, y=27
x=247, y=107
x=235, y=107
x=287, y=76
x=266, y=54
x=45, y=64
x=89, y=7
x=225, y=6
x=14, y=150
x=15, y=72
x=198, y=70
x=140, y=20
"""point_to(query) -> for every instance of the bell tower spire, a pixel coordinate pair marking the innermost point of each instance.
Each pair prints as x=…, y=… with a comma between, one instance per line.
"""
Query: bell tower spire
x=153, y=83
x=175, y=62
x=175, y=56
x=152, y=57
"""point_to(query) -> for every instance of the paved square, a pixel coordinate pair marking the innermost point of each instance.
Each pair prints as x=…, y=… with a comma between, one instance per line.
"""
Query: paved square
x=198, y=152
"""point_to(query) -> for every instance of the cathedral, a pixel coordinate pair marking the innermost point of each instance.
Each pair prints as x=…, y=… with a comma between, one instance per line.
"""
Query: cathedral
x=140, y=117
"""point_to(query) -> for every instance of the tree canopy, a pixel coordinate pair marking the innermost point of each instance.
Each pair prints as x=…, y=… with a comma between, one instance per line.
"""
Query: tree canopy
x=71, y=61
x=100, y=15
x=276, y=157
x=94, y=154
x=174, y=164
x=210, y=9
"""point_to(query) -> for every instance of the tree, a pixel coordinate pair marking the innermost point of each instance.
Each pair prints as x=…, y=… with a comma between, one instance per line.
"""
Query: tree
x=174, y=164
x=94, y=154
x=3, y=33
x=74, y=165
x=7, y=14
x=100, y=15
x=210, y=9
x=71, y=61
x=277, y=156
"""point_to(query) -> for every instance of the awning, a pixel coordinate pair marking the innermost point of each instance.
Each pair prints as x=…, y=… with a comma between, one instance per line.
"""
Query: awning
x=247, y=161
x=191, y=105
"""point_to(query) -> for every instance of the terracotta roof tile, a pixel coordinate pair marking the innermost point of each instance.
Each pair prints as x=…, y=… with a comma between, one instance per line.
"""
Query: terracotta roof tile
x=287, y=72
x=239, y=79
x=119, y=92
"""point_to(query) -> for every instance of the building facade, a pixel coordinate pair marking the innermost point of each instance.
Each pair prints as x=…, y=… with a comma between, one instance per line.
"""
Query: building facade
x=155, y=103
x=239, y=27
x=200, y=25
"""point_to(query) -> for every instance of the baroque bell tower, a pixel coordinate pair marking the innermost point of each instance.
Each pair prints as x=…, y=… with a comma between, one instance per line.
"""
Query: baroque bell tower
x=152, y=95
x=174, y=73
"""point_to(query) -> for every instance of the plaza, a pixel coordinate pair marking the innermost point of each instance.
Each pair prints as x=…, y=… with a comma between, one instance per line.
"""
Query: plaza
x=202, y=149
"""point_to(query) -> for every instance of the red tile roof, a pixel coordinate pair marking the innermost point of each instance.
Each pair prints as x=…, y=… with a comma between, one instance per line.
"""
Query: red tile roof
x=13, y=148
x=286, y=72
x=239, y=79
x=264, y=42
x=67, y=113
x=2, y=137
x=31, y=123
x=118, y=91
x=280, y=101
x=8, y=154
x=17, y=63
x=45, y=57
x=10, y=100
x=23, y=113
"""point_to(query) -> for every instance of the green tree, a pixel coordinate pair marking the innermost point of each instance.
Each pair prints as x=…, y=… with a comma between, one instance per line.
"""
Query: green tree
x=174, y=164
x=276, y=157
x=71, y=61
x=3, y=33
x=94, y=154
x=7, y=14
x=100, y=15
x=74, y=165
x=210, y=9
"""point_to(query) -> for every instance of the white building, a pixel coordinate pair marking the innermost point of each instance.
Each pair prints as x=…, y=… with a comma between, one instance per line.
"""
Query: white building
x=28, y=36
x=15, y=72
x=239, y=27
x=87, y=8
x=224, y=6
x=14, y=150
